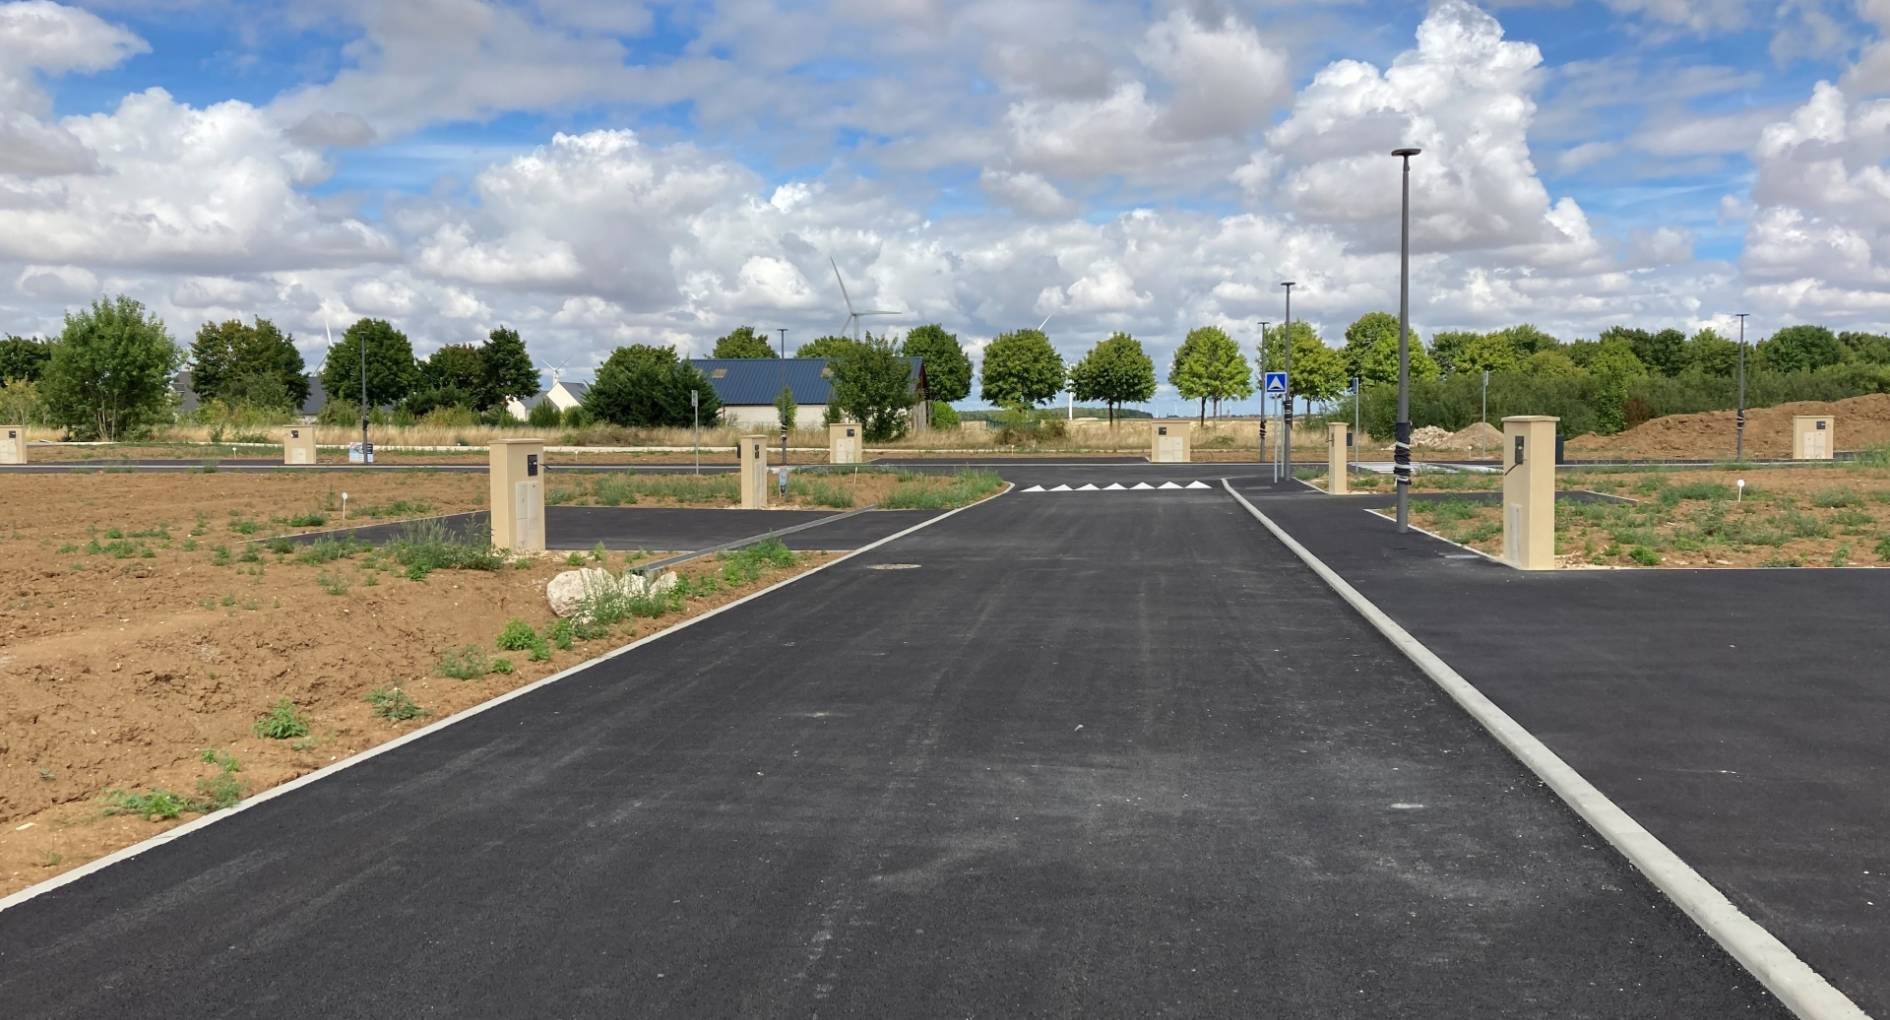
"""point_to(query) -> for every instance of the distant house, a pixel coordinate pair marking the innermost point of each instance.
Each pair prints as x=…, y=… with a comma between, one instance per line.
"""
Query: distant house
x=562, y=395
x=748, y=387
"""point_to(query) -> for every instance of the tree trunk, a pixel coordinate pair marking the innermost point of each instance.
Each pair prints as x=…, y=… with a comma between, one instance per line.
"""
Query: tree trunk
x=1204, y=410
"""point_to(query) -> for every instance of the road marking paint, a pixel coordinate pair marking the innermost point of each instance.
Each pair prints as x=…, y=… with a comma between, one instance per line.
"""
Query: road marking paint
x=187, y=828
x=1803, y=990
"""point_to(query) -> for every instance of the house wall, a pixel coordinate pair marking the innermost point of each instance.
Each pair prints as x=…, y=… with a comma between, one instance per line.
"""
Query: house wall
x=765, y=418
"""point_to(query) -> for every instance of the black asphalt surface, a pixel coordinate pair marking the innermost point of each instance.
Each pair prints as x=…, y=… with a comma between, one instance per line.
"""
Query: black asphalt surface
x=672, y=529
x=1740, y=715
x=1090, y=756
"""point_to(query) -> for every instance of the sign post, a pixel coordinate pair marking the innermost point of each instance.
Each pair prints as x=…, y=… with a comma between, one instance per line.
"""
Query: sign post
x=1276, y=383
x=695, y=410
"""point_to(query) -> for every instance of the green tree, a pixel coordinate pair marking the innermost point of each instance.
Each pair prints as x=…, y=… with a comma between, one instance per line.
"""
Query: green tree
x=1664, y=352
x=1527, y=340
x=1020, y=369
x=1209, y=366
x=947, y=369
x=1318, y=371
x=1866, y=348
x=643, y=386
x=872, y=384
x=21, y=358
x=824, y=347
x=1800, y=349
x=1553, y=363
x=1447, y=345
x=1711, y=354
x=391, y=371
x=20, y=403
x=508, y=370
x=785, y=409
x=744, y=342
x=544, y=415
x=110, y=373
x=1488, y=352
x=1613, y=367
x=1116, y=371
x=456, y=368
x=253, y=364
x=1371, y=350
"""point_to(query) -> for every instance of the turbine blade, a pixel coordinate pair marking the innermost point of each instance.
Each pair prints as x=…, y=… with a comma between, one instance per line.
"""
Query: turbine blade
x=844, y=296
x=1046, y=321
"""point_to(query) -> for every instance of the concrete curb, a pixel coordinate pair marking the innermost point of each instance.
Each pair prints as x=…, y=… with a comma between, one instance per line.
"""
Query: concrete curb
x=1805, y=992
x=205, y=821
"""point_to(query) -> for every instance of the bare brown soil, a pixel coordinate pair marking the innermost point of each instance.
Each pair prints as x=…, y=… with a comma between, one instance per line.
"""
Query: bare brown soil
x=123, y=660
x=1861, y=422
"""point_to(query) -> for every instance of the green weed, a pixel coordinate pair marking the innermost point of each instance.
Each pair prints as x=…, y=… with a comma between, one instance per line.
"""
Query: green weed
x=1644, y=556
x=1834, y=499
x=281, y=722
x=393, y=705
x=427, y=546
x=467, y=663
x=333, y=584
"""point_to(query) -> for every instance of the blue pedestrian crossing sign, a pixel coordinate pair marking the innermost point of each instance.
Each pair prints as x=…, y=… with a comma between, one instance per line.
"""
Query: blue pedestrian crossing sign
x=1276, y=384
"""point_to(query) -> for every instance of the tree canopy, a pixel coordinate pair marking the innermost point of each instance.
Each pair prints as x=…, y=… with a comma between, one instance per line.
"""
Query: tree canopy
x=744, y=342
x=872, y=385
x=508, y=370
x=24, y=359
x=1020, y=369
x=247, y=363
x=110, y=373
x=824, y=347
x=1209, y=366
x=1116, y=371
x=1800, y=349
x=1371, y=350
x=391, y=371
x=647, y=387
x=947, y=369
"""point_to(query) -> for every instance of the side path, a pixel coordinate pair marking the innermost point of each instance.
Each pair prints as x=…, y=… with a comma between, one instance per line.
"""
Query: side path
x=1079, y=757
x=1739, y=715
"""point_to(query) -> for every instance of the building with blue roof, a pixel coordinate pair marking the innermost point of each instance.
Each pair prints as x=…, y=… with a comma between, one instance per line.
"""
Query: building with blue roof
x=748, y=386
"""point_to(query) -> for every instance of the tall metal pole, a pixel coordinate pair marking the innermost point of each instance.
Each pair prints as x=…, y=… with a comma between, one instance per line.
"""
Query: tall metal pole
x=1486, y=396
x=1739, y=417
x=1402, y=467
x=1286, y=401
x=783, y=331
x=1264, y=323
x=1358, y=415
x=364, y=406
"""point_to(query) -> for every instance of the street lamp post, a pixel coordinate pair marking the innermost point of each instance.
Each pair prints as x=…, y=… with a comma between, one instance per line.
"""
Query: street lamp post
x=1358, y=414
x=1739, y=417
x=783, y=332
x=365, y=457
x=1264, y=323
x=1402, y=467
x=1286, y=399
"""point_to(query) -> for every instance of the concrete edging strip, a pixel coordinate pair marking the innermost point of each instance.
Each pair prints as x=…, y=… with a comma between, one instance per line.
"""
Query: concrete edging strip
x=1803, y=990
x=273, y=792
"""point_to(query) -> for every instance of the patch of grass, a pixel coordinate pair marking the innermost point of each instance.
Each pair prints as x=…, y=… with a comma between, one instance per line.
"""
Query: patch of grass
x=747, y=564
x=1853, y=518
x=244, y=526
x=599, y=553
x=1836, y=499
x=1783, y=561
x=561, y=634
x=249, y=555
x=281, y=722
x=427, y=546
x=393, y=705
x=333, y=584
x=1883, y=549
x=1841, y=556
x=220, y=556
x=917, y=491
x=466, y=663
x=152, y=805
x=328, y=550
x=222, y=790
x=813, y=490
x=575, y=559
x=309, y=520
x=1644, y=556
x=502, y=666
x=1697, y=490
x=517, y=636
x=279, y=545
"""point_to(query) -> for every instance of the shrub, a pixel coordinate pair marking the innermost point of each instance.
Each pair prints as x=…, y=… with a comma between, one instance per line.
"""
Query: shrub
x=545, y=415
x=467, y=663
x=281, y=722
x=393, y=704
x=561, y=634
x=154, y=805
x=923, y=492
x=517, y=636
x=1644, y=556
x=1836, y=498
x=426, y=546
x=944, y=416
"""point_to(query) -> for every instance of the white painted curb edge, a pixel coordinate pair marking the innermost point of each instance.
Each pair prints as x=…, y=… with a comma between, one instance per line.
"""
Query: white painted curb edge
x=273, y=792
x=1800, y=988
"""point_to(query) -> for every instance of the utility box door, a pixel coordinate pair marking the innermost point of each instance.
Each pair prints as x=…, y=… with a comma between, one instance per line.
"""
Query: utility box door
x=527, y=497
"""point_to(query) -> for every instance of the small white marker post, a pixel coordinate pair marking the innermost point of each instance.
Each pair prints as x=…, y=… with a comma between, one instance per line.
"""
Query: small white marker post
x=1741, y=498
x=344, y=507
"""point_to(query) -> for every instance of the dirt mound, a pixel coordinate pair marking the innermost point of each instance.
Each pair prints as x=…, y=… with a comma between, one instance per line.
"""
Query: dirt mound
x=1430, y=437
x=1478, y=436
x=1860, y=422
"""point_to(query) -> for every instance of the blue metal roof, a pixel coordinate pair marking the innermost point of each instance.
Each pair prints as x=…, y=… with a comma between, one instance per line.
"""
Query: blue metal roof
x=753, y=381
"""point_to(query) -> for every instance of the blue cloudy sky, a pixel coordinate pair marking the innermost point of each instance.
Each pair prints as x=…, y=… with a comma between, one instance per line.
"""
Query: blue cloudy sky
x=604, y=173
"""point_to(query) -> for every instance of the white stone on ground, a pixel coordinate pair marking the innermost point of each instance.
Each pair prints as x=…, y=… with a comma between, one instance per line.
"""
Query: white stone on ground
x=567, y=591
x=663, y=584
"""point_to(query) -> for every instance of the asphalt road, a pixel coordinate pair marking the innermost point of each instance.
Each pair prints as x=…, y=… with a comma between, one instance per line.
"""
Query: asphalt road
x=1739, y=715
x=1089, y=755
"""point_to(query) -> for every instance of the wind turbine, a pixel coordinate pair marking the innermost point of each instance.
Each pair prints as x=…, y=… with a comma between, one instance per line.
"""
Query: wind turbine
x=854, y=315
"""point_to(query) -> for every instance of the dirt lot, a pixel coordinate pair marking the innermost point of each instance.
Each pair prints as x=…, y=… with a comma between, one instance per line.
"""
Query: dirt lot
x=1833, y=516
x=1862, y=422
x=144, y=636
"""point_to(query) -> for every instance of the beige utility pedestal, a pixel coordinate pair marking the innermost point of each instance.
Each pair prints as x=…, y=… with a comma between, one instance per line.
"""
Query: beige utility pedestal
x=844, y=445
x=1529, y=492
x=298, y=444
x=1169, y=442
x=13, y=444
x=1814, y=437
x=517, y=475
x=1338, y=480
x=754, y=472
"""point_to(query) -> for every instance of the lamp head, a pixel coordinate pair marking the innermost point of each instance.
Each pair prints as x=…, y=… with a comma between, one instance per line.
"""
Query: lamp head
x=1406, y=153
